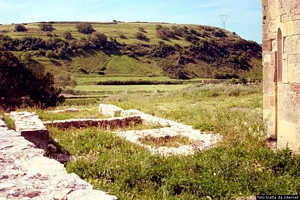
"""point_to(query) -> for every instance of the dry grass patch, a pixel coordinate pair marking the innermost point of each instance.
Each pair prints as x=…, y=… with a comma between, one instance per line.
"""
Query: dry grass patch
x=167, y=141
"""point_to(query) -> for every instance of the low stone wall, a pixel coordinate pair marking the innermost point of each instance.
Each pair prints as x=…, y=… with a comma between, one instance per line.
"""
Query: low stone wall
x=26, y=174
x=110, y=123
x=28, y=125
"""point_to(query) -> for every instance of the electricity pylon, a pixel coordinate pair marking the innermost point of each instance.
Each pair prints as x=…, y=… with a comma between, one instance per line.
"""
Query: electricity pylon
x=224, y=19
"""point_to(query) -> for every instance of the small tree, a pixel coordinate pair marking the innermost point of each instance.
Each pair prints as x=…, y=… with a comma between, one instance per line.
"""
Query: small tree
x=85, y=28
x=46, y=26
x=19, y=83
x=20, y=28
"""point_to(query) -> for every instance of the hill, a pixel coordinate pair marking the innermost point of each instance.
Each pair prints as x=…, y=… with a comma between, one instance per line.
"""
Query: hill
x=134, y=50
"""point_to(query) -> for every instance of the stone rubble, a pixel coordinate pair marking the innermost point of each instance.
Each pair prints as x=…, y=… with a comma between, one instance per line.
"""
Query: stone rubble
x=26, y=174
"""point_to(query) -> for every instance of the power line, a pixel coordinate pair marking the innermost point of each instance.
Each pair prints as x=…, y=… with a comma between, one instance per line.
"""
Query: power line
x=224, y=19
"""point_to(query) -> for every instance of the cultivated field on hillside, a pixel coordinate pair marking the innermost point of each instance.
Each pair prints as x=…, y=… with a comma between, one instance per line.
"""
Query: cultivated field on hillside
x=127, y=50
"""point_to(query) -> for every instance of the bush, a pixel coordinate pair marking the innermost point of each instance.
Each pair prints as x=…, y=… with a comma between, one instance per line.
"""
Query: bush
x=50, y=54
x=67, y=35
x=141, y=36
x=20, y=28
x=46, y=26
x=64, y=81
x=122, y=36
x=99, y=38
x=141, y=29
x=85, y=28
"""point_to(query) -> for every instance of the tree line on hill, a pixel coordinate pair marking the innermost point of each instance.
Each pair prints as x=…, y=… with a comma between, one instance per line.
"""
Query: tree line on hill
x=206, y=43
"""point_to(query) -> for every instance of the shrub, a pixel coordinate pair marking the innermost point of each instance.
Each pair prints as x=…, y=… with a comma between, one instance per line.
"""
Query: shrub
x=20, y=28
x=141, y=36
x=85, y=28
x=141, y=29
x=64, y=81
x=67, y=35
x=157, y=27
x=46, y=26
x=50, y=54
x=219, y=33
x=122, y=36
x=99, y=38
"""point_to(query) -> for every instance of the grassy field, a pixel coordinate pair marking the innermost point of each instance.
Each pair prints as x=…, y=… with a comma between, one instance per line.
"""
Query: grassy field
x=241, y=165
x=197, y=51
x=120, y=88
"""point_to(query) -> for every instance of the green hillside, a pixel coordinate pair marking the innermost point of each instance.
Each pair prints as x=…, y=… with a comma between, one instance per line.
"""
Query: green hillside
x=134, y=50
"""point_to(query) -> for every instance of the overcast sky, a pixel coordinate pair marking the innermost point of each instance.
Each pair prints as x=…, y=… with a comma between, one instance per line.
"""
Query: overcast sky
x=244, y=16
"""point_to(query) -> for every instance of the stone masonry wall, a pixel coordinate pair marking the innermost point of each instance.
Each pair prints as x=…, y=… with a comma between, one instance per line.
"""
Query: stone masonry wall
x=28, y=125
x=109, y=123
x=281, y=70
x=26, y=174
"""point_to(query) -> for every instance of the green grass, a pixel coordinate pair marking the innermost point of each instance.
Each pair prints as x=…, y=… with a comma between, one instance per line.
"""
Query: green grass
x=92, y=62
x=126, y=88
x=92, y=79
x=134, y=57
x=125, y=65
x=9, y=121
x=219, y=108
x=240, y=166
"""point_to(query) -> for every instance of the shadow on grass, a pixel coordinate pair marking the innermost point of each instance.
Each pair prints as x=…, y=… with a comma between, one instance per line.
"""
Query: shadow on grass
x=57, y=152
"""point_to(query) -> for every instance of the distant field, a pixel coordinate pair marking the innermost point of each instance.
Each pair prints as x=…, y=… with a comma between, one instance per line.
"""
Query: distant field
x=93, y=79
x=117, y=88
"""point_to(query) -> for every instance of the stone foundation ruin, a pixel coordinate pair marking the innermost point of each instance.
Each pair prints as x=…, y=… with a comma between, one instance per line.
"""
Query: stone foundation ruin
x=25, y=173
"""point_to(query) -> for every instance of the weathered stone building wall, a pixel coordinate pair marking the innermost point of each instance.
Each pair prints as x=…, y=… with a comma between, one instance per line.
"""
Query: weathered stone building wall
x=281, y=68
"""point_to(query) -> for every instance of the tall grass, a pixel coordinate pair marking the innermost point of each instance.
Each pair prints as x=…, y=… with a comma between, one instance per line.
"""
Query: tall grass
x=241, y=165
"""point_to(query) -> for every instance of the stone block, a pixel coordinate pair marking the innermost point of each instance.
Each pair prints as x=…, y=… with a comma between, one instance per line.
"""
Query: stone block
x=29, y=126
x=290, y=28
x=110, y=110
x=267, y=45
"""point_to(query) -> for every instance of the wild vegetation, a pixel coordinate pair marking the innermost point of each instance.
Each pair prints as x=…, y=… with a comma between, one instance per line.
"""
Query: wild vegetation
x=153, y=50
x=22, y=85
x=241, y=165
x=108, y=62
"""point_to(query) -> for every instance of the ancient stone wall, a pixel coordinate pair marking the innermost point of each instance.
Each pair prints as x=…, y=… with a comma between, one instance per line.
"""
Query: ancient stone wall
x=109, y=123
x=281, y=69
x=28, y=125
x=26, y=174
